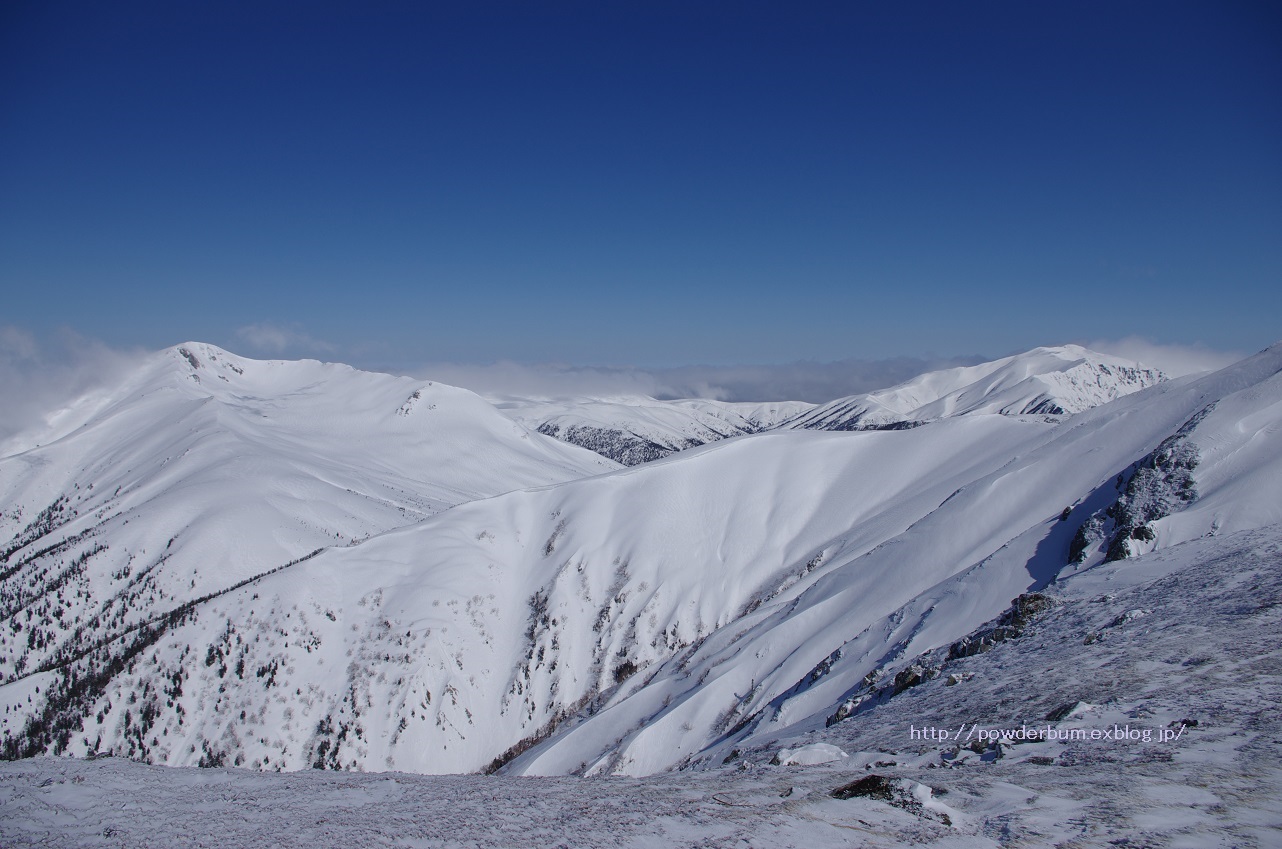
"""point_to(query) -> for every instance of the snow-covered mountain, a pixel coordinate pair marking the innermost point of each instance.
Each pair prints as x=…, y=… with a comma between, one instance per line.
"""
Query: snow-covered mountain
x=948, y=540
x=626, y=622
x=204, y=469
x=638, y=429
x=1049, y=382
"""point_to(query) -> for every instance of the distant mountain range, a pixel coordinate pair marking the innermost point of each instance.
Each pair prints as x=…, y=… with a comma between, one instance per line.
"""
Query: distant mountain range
x=1048, y=383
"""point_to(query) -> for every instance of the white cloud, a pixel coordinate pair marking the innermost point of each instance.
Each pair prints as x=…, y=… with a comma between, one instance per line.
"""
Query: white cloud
x=268, y=338
x=17, y=344
x=39, y=377
x=798, y=381
x=1175, y=360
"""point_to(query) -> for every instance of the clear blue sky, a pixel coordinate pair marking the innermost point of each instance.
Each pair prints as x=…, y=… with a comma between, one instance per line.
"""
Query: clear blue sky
x=641, y=183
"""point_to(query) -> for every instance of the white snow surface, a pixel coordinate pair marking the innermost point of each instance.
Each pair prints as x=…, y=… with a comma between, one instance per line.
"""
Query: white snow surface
x=651, y=428
x=204, y=469
x=1048, y=382
x=946, y=541
x=1204, y=667
x=664, y=421
x=809, y=755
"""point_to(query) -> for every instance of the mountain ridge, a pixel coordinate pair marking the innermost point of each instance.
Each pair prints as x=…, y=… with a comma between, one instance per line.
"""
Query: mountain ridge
x=207, y=469
x=1047, y=382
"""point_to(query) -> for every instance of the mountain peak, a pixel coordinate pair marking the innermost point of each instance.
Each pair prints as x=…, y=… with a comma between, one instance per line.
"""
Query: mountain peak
x=1049, y=382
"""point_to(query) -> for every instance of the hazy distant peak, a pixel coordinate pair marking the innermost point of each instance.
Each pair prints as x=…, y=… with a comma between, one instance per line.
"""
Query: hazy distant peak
x=1047, y=381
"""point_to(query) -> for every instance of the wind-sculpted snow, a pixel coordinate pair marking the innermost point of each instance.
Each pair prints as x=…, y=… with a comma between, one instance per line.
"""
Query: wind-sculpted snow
x=658, y=616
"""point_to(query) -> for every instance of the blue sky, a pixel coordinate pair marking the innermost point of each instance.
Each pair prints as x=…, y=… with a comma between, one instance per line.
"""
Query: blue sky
x=646, y=184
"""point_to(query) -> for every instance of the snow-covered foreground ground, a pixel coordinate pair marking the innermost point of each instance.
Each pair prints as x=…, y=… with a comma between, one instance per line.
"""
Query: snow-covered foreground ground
x=1182, y=644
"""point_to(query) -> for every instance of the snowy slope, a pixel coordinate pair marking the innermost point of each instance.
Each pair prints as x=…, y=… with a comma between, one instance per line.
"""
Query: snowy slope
x=1180, y=647
x=633, y=430
x=1047, y=382
x=762, y=415
x=663, y=614
x=887, y=594
x=204, y=469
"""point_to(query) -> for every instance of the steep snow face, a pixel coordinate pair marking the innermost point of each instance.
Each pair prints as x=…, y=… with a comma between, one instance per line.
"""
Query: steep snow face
x=1221, y=472
x=635, y=430
x=204, y=469
x=1047, y=382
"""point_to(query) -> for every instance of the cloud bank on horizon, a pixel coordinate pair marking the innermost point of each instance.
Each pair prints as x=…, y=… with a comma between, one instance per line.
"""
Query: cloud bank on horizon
x=801, y=380
x=795, y=381
x=811, y=381
x=1175, y=360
